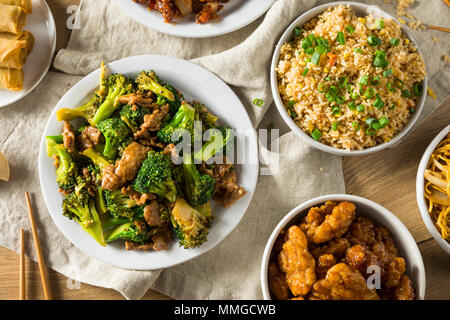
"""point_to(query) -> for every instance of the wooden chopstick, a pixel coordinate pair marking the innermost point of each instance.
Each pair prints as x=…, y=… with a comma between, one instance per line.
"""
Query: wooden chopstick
x=440, y=28
x=37, y=244
x=22, y=290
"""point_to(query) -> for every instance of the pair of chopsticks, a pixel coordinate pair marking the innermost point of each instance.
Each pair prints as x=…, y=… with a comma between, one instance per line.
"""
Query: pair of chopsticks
x=40, y=256
x=439, y=28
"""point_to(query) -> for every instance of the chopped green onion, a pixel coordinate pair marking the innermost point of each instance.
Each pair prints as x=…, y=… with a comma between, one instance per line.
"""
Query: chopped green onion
x=379, y=24
x=373, y=40
x=369, y=121
x=335, y=125
x=360, y=108
x=342, y=82
x=417, y=89
x=297, y=31
x=327, y=78
x=258, y=102
x=311, y=38
x=352, y=105
x=315, y=58
x=330, y=97
x=334, y=89
x=369, y=93
x=387, y=73
x=384, y=122
x=390, y=87
x=371, y=131
x=321, y=87
x=309, y=50
x=392, y=107
x=364, y=80
x=290, y=104
x=350, y=29
x=375, y=81
x=306, y=43
x=340, y=37
x=336, y=111
x=395, y=42
x=380, y=59
x=398, y=83
x=316, y=134
x=359, y=50
x=340, y=99
x=305, y=72
x=356, y=125
x=292, y=114
x=379, y=104
x=354, y=95
x=406, y=93
x=412, y=110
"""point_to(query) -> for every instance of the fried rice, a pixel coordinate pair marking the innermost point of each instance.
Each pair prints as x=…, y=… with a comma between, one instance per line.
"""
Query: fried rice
x=350, y=82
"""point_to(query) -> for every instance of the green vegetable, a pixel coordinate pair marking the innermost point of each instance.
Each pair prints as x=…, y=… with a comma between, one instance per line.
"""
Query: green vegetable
x=341, y=38
x=258, y=102
x=364, y=80
x=309, y=51
x=369, y=93
x=406, y=93
x=350, y=29
x=398, y=83
x=395, y=42
x=99, y=160
x=66, y=173
x=128, y=231
x=390, y=87
x=335, y=125
x=220, y=139
x=182, y=123
x=290, y=104
x=336, y=111
x=115, y=132
x=305, y=72
x=355, y=125
x=342, y=82
x=375, y=81
x=417, y=89
x=412, y=110
x=373, y=40
x=119, y=205
x=315, y=58
x=202, y=114
x=380, y=59
x=155, y=176
x=379, y=24
x=352, y=105
x=387, y=73
x=384, y=122
x=80, y=207
x=199, y=187
x=316, y=134
x=133, y=116
x=297, y=31
x=358, y=50
x=379, y=104
x=190, y=224
x=360, y=108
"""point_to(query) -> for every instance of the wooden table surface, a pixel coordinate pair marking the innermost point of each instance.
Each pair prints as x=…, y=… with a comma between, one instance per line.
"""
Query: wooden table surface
x=387, y=177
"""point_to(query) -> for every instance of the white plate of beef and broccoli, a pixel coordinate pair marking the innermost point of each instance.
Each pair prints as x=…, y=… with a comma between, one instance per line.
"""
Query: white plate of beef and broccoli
x=195, y=18
x=148, y=162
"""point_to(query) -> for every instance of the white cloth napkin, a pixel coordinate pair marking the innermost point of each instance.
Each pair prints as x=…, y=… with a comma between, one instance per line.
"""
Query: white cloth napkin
x=231, y=270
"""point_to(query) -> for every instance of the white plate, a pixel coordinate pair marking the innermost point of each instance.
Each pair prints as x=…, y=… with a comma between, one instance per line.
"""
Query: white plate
x=235, y=15
x=41, y=24
x=196, y=83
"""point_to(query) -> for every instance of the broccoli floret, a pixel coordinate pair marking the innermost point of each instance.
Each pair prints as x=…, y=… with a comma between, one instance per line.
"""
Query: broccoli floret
x=86, y=111
x=166, y=94
x=81, y=208
x=155, y=176
x=100, y=202
x=128, y=231
x=67, y=170
x=133, y=116
x=220, y=139
x=191, y=226
x=119, y=205
x=178, y=177
x=202, y=114
x=97, y=159
x=199, y=188
x=183, y=121
x=115, y=132
x=113, y=87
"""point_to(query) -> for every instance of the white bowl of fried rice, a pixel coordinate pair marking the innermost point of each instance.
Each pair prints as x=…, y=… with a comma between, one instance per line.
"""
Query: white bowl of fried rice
x=348, y=78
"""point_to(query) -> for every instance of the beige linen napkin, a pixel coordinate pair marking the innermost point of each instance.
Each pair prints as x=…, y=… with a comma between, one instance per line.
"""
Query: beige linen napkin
x=242, y=59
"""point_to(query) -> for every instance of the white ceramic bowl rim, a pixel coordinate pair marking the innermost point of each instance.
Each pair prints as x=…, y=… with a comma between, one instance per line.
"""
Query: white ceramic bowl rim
x=307, y=16
x=401, y=236
x=420, y=190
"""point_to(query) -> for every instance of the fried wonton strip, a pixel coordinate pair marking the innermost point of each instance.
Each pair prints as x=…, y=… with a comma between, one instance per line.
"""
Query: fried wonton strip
x=12, y=18
x=25, y=4
x=14, y=49
x=11, y=79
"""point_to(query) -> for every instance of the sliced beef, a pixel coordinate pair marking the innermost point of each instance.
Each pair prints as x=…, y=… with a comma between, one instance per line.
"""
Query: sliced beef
x=129, y=245
x=152, y=215
x=161, y=238
x=141, y=99
x=140, y=198
x=89, y=138
x=152, y=122
x=126, y=168
x=68, y=137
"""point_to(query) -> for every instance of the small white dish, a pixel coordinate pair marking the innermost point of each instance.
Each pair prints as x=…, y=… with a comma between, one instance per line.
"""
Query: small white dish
x=42, y=25
x=360, y=9
x=420, y=190
x=196, y=83
x=236, y=14
x=404, y=241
